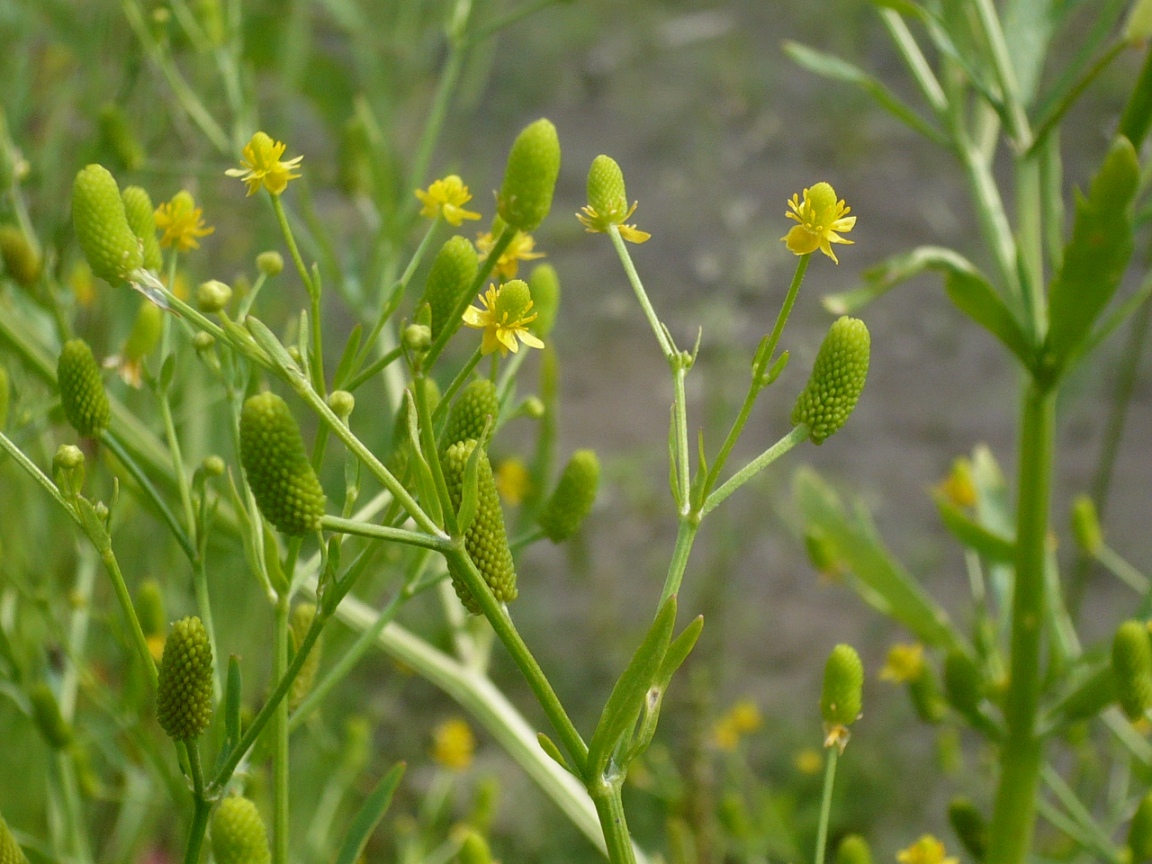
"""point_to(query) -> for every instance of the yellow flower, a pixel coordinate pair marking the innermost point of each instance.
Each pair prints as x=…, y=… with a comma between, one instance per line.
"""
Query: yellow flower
x=820, y=216
x=453, y=744
x=262, y=165
x=82, y=283
x=447, y=197
x=926, y=850
x=743, y=717
x=508, y=264
x=905, y=663
x=809, y=761
x=513, y=480
x=181, y=222
x=594, y=222
x=958, y=487
x=504, y=318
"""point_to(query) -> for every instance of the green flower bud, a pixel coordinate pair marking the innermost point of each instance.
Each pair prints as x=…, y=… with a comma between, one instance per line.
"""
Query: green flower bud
x=118, y=139
x=212, y=466
x=5, y=397
x=46, y=714
x=534, y=407
x=530, y=177
x=474, y=850
x=970, y=827
x=10, y=851
x=184, y=692
x=142, y=220
x=1132, y=668
x=21, y=260
x=238, y=835
x=101, y=226
x=544, y=286
x=449, y=282
x=486, y=540
x=853, y=849
x=213, y=296
x=68, y=457
x=573, y=498
x=342, y=403
x=1086, y=525
x=842, y=696
x=277, y=468
x=963, y=683
x=836, y=381
x=417, y=337
x=606, y=193
x=82, y=389
x=270, y=263
x=302, y=617
x=145, y=333
x=1140, y=831
x=203, y=341
x=470, y=412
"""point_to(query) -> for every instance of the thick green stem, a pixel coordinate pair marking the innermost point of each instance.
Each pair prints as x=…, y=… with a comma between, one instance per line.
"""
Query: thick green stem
x=610, y=810
x=201, y=807
x=685, y=536
x=1014, y=812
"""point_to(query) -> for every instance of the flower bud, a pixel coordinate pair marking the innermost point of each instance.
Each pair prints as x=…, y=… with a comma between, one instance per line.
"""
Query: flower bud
x=470, y=412
x=270, y=263
x=1132, y=668
x=238, y=835
x=342, y=403
x=836, y=381
x=10, y=851
x=544, y=285
x=530, y=177
x=46, y=714
x=146, y=331
x=606, y=193
x=184, y=691
x=203, y=341
x=853, y=849
x=534, y=407
x=68, y=457
x=278, y=470
x=101, y=226
x=118, y=139
x=302, y=617
x=213, y=296
x=970, y=827
x=212, y=466
x=486, y=540
x=142, y=220
x=449, y=282
x=963, y=683
x=5, y=397
x=1140, y=831
x=82, y=389
x=474, y=850
x=573, y=498
x=842, y=696
x=21, y=260
x=417, y=337
x=1086, y=525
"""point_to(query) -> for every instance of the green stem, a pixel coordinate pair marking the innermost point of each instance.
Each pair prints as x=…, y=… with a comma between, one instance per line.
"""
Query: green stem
x=798, y=435
x=108, y=557
x=457, y=382
x=826, y=803
x=1018, y=126
x=280, y=792
x=685, y=537
x=317, y=360
x=201, y=809
x=638, y=287
x=610, y=811
x=381, y=532
x=915, y=60
x=683, y=468
x=1014, y=811
x=370, y=371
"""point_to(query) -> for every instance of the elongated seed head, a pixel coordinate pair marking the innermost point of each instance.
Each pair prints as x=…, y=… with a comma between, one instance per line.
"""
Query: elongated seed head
x=112, y=249
x=449, y=282
x=142, y=220
x=572, y=501
x=470, y=412
x=82, y=389
x=530, y=177
x=238, y=834
x=1132, y=668
x=606, y=192
x=10, y=851
x=853, y=849
x=836, y=381
x=146, y=331
x=46, y=714
x=544, y=286
x=277, y=467
x=184, y=691
x=118, y=138
x=21, y=260
x=842, y=695
x=302, y=616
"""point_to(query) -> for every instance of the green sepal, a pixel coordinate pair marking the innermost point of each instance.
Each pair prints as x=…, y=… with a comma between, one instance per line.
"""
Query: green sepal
x=348, y=358
x=972, y=534
x=549, y=747
x=627, y=698
x=369, y=816
x=972, y=295
x=1096, y=255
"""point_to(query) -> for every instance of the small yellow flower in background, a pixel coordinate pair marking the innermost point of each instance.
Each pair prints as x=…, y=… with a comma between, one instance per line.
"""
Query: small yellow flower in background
x=180, y=220
x=905, y=663
x=958, y=486
x=155, y=645
x=820, y=215
x=513, y=480
x=262, y=165
x=926, y=850
x=447, y=197
x=743, y=717
x=82, y=283
x=504, y=318
x=809, y=761
x=453, y=744
x=508, y=264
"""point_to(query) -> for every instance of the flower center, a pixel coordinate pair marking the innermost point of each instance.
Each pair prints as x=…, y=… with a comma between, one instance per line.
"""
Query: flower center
x=512, y=303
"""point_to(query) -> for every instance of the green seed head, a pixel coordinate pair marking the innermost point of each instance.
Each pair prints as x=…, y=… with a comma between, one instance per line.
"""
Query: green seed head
x=184, y=692
x=118, y=139
x=270, y=263
x=545, y=288
x=470, y=412
x=142, y=220
x=10, y=851
x=572, y=501
x=113, y=251
x=277, y=468
x=449, y=281
x=238, y=835
x=836, y=381
x=145, y=333
x=970, y=827
x=1086, y=525
x=530, y=177
x=47, y=716
x=963, y=682
x=486, y=540
x=606, y=192
x=842, y=696
x=1140, y=831
x=21, y=260
x=302, y=617
x=1132, y=668
x=853, y=849
x=82, y=389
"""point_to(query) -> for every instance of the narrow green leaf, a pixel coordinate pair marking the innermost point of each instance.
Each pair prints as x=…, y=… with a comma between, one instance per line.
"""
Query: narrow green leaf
x=885, y=276
x=469, y=493
x=678, y=651
x=276, y=352
x=627, y=697
x=232, y=693
x=973, y=296
x=348, y=358
x=1097, y=254
x=369, y=816
x=549, y=747
x=975, y=536
x=425, y=482
x=167, y=371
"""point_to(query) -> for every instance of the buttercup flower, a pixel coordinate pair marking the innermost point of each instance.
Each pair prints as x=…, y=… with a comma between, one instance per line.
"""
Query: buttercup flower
x=926, y=850
x=262, y=165
x=447, y=197
x=508, y=264
x=594, y=222
x=513, y=481
x=820, y=216
x=741, y=719
x=181, y=222
x=504, y=318
x=905, y=663
x=608, y=201
x=453, y=744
